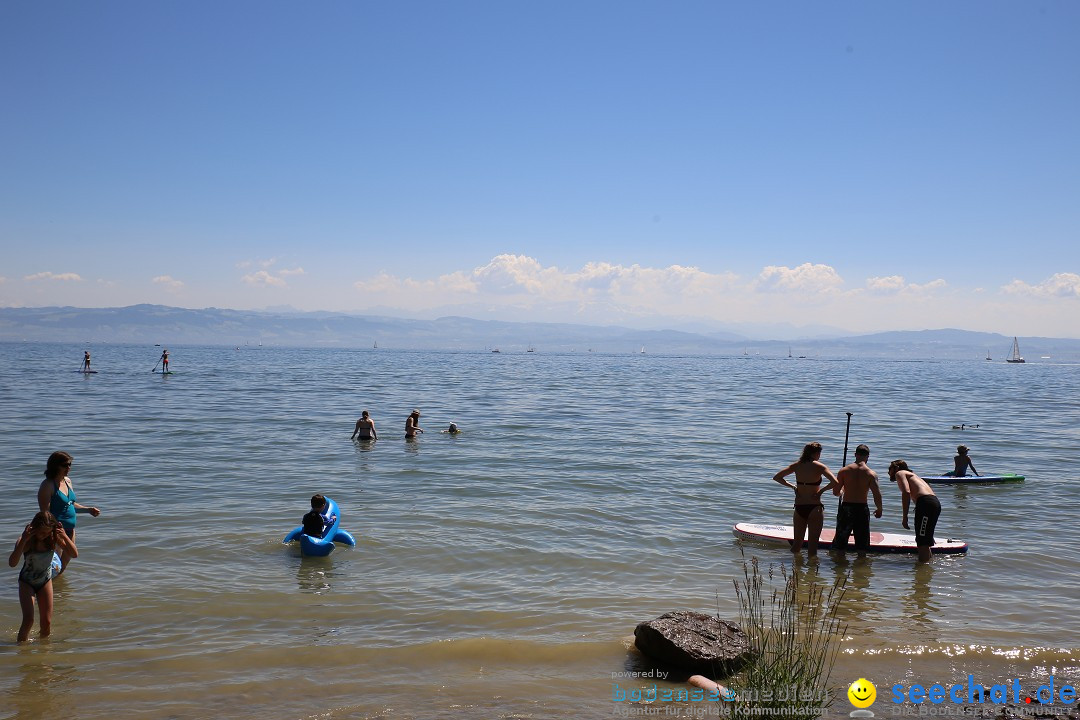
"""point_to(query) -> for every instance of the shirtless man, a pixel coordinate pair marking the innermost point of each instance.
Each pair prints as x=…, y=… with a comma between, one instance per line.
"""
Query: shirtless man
x=853, y=482
x=927, y=506
x=86, y=361
x=411, y=428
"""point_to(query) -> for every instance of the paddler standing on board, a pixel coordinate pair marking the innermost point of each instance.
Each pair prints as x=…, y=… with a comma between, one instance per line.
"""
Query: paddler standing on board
x=165, y=360
x=927, y=506
x=86, y=361
x=853, y=482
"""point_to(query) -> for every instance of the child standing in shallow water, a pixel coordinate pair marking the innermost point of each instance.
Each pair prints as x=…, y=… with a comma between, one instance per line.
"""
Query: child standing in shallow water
x=39, y=541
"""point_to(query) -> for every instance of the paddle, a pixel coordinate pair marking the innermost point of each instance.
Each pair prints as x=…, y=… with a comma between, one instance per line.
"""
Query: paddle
x=847, y=431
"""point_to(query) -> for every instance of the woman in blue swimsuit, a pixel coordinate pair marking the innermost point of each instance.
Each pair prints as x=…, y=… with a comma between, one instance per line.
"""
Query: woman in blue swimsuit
x=38, y=545
x=56, y=494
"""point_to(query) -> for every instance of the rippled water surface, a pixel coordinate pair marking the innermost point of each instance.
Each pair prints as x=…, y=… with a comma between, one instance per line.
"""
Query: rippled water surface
x=499, y=573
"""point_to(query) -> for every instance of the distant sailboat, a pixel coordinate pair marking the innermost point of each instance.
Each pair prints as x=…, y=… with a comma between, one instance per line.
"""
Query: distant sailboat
x=1015, y=357
x=376, y=347
x=531, y=349
x=789, y=352
x=642, y=349
x=988, y=354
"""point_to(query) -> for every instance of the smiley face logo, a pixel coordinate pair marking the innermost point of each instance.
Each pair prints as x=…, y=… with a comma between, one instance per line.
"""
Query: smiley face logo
x=862, y=693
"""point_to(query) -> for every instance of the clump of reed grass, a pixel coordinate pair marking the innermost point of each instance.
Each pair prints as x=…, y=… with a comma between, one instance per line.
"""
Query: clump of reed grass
x=794, y=637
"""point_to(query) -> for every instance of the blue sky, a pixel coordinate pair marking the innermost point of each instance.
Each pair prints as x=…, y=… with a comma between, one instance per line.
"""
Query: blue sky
x=864, y=165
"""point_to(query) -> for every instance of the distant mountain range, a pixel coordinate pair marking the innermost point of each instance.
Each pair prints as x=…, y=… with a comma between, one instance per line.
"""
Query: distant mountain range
x=213, y=326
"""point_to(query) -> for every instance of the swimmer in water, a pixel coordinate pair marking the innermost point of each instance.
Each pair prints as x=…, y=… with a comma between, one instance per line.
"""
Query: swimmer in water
x=411, y=426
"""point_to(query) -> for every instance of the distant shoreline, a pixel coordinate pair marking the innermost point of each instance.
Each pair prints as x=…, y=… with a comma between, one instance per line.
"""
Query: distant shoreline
x=159, y=324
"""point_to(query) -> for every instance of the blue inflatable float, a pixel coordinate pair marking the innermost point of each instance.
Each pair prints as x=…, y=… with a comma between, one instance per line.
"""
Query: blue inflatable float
x=322, y=546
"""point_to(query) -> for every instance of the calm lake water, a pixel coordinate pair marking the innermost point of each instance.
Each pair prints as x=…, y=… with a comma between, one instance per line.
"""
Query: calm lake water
x=499, y=573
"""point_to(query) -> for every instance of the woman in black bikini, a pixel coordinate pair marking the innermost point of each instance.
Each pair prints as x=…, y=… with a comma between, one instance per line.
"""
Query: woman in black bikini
x=809, y=512
x=365, y=428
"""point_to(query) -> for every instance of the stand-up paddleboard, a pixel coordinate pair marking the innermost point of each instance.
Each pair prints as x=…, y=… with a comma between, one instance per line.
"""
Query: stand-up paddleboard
x=167, y=372
x=86, y=372
x=879, y=542
x=972, y=479
x=322, y=546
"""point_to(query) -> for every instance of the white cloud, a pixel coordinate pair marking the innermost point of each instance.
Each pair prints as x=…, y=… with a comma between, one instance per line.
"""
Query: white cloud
x=513, y=274
x=268, y=277
x=261, y=277
x=1059, y=285
x=54, y=276
x=170, y=283
x=894, y=284
x=518, y=287
x=523, y=283
x=522, y=275
x=891, y=284
x=806, y=278
x=265, y=263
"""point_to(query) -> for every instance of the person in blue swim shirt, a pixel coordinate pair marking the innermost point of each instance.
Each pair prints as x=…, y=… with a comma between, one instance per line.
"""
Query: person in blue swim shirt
x=56, y=494
x=317, y=522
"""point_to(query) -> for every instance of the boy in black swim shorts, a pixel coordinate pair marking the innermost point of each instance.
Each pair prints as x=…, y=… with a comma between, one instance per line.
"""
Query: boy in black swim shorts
x=927, y=510
x=927, y=506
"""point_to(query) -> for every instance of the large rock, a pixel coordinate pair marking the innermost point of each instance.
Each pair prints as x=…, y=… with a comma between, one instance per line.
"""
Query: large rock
x=694, y=642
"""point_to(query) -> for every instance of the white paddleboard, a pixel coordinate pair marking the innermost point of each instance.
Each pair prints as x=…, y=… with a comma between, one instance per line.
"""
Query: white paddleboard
x=879, y=542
